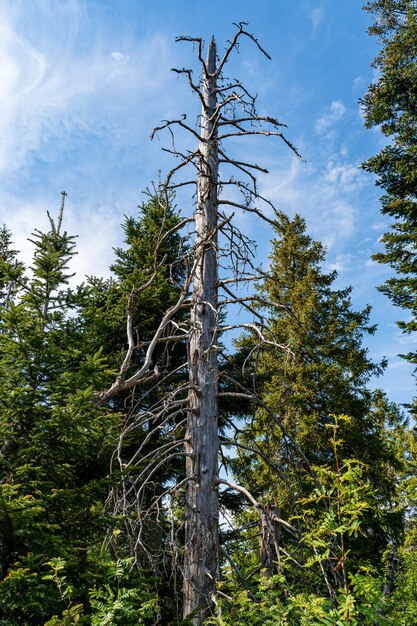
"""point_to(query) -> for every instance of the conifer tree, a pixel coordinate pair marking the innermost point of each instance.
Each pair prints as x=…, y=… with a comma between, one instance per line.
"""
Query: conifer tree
x=55, y=447
x=321, y=372
x=10, y=269
x=390, y=105
x=58, y=346
x=152, y=239
x=104, y=302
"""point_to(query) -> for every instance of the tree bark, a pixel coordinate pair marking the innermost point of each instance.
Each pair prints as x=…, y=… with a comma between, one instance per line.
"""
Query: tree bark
x=201, y=559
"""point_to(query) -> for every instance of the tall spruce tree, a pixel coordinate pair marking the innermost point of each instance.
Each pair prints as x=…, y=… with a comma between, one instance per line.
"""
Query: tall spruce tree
x=55, y=447
x=152, y=239
x=390, y=104
x=58, y=346
x=104, y=302
x=320, y=373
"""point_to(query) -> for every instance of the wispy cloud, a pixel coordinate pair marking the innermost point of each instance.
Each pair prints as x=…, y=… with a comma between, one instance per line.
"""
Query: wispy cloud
x=359, y=84
x=118, y=57
x=346, y=176
x=332, y=116
x=341, y=263
x=50, y=84
x=316, y=17
x=70, y=106
x=311, y=192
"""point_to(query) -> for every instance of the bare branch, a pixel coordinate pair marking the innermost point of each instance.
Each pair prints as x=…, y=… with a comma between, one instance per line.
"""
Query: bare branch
x=199, y=41
x=255, y=503
x=194, y=87
x=252, y=166
x=248, y=208
x=265, y=133
x=232, y=45
x=252, y=118
x=141, y=375
x=179, y=122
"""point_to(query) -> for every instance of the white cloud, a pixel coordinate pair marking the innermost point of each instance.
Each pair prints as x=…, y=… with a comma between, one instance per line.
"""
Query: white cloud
x=22, y=71
x=341, y=263
x=359, y=84
x=97, y=229
x=118, y=57
x=334, y=114
x=325, y=204
x=407, y=339
x=399, y=364
x=346, y=176
x=63, y=96
x=316, y=16
x=47, y=86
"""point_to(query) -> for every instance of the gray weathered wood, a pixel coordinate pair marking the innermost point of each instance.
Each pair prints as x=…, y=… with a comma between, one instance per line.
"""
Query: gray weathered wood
x=201, y=560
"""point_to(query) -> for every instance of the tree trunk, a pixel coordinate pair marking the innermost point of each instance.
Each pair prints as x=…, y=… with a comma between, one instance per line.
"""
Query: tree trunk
x=201, y=560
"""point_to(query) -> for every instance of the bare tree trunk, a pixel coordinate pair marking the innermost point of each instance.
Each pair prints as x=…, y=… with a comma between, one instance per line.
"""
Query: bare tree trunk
x=393, y=561
x=201, y=561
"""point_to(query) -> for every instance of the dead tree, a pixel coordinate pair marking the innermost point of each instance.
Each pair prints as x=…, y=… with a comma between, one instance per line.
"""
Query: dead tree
x=201, y=560
x=227, y=110
x=218, y=263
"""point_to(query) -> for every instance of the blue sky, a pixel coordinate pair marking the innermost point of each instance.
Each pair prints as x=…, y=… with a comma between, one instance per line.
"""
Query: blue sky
x=82, y=84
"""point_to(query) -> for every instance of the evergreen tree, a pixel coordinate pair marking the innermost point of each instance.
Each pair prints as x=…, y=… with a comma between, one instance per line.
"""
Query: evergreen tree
x=390, y=104
x=104, y=302
x=55, y=446
x=58, y=348
x=152, y=240
x=11, y=271
x=320, y=373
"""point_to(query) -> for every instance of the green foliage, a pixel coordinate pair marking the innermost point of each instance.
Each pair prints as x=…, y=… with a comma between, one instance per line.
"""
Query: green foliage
x=55, y=444
x=335, y=479
x=270, y=606
x=264, y=608
x=343, y=497
x=322, y=369
x=151, y=240
x=58, y=348
x=390, y=105
x=335, y=511
x=11, y=270
x=71, y=614
x=114, y=603
x=119, y=596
